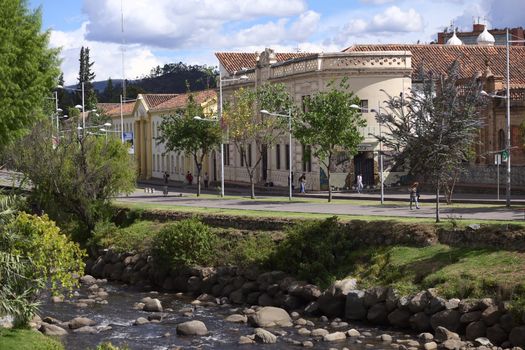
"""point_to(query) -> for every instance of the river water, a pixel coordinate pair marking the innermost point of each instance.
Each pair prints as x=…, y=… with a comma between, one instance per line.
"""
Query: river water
x=120, y=315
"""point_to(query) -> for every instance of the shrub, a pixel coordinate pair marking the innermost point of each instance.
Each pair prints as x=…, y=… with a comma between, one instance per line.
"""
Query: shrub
x=232, y=248
x=184, y=243
x=316, y=251
x=136, y=238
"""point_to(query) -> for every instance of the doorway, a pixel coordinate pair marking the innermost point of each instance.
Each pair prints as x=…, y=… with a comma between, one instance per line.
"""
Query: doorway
x=364, y=165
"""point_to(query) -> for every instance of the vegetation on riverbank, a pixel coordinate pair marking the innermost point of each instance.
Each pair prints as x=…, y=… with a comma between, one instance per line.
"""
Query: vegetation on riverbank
x=25, y=339
x=321, y=251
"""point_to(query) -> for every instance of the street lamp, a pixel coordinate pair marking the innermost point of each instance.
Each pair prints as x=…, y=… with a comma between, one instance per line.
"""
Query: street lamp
x=221, y=80
x=122, y=100
x=78, y=106
x=289, y=116
x=381, y=171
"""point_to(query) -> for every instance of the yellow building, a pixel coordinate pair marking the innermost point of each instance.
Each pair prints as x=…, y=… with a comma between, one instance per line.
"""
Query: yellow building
x=138, y=122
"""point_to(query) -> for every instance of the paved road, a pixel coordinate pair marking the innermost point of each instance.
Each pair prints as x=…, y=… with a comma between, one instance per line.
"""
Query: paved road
x=338, y=208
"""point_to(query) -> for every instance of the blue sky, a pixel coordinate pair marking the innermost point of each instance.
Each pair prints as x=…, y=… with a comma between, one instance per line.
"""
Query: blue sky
x=164, y=31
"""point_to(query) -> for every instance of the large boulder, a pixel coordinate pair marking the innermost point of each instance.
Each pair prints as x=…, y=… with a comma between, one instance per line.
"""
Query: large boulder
x=496, y=334
x=517, y=336
x=265, y=337
x=491, y=315
x=446, y=318
x=443, y=334
x=418, y=302
x=375, y=295
x=377, y=314
x=476, y=329
x=399, y=318
x=52, y=330
x=192, y=328
x=88, y=280
x=355, y=309
x=79, y=322
x=152, y=305
x=420, y=322
x=270, y=316
x=307, y=292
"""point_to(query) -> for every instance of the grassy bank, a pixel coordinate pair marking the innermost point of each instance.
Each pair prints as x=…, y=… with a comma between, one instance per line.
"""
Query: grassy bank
x=23, y=339
x=322, y=251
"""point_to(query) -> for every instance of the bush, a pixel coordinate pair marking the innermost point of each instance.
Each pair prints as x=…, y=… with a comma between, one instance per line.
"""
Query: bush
x=316, y=251
x=183, y=243
x=232, y=248
x=136, y=238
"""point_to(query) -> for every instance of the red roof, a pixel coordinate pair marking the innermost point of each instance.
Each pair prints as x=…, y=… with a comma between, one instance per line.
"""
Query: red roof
x=473, y=59
x=237, y=61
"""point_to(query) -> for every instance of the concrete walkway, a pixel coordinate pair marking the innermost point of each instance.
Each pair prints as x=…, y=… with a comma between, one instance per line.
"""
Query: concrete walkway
x=185, y=196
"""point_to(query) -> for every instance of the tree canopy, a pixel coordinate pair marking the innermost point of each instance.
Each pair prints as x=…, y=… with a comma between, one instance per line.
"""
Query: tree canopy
x=28, y=68
x=330, y=124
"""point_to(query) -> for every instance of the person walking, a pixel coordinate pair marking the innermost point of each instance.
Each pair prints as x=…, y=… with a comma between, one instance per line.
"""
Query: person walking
x=302, y=183
x=414, y=195
x=166, y=178
x=206, y=181
x=189, y=178
x=359, y=183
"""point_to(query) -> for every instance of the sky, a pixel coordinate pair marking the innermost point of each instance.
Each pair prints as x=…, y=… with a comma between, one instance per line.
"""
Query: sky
x=157, y=32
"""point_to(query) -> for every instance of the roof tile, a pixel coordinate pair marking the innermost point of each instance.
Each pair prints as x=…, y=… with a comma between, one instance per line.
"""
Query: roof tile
x=237, y=61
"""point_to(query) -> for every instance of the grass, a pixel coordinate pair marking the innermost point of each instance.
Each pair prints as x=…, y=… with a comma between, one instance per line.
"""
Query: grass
x=455, y=272
x=24, y=339
x=305, y=216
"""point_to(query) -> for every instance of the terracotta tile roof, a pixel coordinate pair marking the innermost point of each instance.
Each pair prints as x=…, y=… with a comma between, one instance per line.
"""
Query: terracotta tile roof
x=153, y=100
x=236, y=61
x=472, y=58
x=113, y=109
x=105, y=107
x=179, y=101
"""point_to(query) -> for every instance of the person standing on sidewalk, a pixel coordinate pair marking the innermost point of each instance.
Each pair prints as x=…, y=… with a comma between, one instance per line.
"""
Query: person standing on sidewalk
x=302, y=183
x=414, y=195
x=166, y=178
x=359, y=183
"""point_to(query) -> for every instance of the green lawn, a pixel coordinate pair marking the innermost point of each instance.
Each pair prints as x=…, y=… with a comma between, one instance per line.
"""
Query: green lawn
x=24, y=339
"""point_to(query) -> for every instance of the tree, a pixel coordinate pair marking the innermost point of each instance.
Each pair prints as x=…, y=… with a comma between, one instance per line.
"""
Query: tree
x=75, y=180
x=433, y=129
x=28, y=69
x=329, y=124
x=86, y=76
x=246, y=125
x=183, y=133
x=110, y=94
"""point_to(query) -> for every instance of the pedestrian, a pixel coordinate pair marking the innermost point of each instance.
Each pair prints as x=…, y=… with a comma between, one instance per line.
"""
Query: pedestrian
x=414, y=195
x=359, y=183
x=166, y=178
x=189, y=178
x=302, y=183
x=206, y=180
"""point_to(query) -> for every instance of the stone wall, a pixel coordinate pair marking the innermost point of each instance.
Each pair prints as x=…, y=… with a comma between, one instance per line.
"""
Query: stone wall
x=487, y=174
x=422, y=312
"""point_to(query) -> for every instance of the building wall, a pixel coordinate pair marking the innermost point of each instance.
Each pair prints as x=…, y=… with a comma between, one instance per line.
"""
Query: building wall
x=371, y=77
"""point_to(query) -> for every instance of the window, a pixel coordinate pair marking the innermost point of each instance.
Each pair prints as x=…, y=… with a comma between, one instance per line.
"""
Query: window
x=287, y=149
x=307, y=158
x=278, y=156
x=364, y=106
x=154, y=164
x=250, y=154
x=501, y=139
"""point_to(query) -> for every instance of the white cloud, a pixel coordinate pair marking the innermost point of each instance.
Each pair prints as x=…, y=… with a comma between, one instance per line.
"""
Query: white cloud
x=106, y=56
x=396, y=20
x=377, y=2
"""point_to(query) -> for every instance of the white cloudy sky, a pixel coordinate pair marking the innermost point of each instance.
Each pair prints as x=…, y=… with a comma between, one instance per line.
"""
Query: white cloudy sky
x=164, y=31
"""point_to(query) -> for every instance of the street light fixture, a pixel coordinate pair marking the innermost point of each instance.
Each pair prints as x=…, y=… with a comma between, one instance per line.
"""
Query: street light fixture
x=78, y=106
x=221, y=80
x=289, y=117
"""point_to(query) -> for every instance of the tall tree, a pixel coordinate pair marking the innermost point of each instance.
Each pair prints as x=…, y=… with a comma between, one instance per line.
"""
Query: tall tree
x=247, y=126
x=184, y=133
x=86, y=76
x=329, y=124
x=434, y=128
x=28, y=68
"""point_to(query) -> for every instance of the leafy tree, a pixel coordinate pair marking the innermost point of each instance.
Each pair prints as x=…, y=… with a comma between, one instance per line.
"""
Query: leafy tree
x=110, y=93
x=329, y=124
x=183, y=133
x=434, y=128
x=28, y=68
x=246, y=125
x=74, y=181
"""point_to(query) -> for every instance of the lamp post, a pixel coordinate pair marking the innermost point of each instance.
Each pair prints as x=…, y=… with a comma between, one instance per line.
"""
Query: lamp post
x=381, y=176
x=289, y=117
x=221, y=80
x=123, y=100
x=78, y=106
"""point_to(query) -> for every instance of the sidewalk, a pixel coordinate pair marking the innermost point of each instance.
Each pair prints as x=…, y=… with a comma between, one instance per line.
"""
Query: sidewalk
x=398, y=194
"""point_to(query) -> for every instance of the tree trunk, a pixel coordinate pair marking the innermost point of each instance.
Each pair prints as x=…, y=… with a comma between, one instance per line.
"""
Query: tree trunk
x=329, y=184
x=199, y=168
x=252, y=185
x=437, y=202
